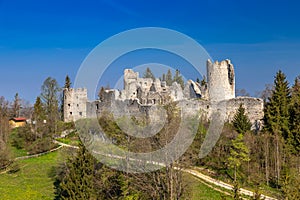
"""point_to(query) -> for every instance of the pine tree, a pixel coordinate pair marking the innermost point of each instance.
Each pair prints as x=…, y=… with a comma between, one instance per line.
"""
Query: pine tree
x=295, y=114
x=169, y=77
x=16, y=106
x=163, y=77
x=178, y=78
x=67, y=82
x=276, y=118
x=78, y=182
x=148, y=74
x=38, y=112
x=101, y=93
x=239, y=153
x=241, y=121
x=277, y=108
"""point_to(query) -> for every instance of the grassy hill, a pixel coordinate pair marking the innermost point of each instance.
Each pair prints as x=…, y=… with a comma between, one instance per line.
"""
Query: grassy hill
x=34, y=180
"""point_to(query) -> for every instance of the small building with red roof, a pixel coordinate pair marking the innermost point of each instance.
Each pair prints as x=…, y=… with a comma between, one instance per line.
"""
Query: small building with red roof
x=17, y=122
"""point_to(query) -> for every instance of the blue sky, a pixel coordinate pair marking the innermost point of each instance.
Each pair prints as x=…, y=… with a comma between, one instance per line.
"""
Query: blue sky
x=51, y=38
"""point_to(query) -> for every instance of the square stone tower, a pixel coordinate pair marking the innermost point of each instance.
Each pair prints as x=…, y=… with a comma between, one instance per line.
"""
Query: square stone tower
x=75, y=104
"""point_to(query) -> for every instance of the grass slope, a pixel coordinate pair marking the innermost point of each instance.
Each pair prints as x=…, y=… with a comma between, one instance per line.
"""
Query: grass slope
x=199, y=190
x=33, y=181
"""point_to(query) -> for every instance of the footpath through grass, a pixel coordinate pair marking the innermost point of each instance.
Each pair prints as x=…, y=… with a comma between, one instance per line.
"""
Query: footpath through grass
x=198, y=190
x=32, y=181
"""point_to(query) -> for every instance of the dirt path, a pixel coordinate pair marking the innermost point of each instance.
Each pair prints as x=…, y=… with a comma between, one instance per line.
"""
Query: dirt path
x=193, y=172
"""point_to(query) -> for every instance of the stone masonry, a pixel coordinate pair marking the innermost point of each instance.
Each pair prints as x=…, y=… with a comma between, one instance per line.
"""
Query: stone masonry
x=140, y=94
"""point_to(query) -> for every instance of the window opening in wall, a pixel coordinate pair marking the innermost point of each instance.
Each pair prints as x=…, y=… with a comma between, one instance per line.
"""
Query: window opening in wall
x=70, y=113
x=80, y=113
x=69, y=104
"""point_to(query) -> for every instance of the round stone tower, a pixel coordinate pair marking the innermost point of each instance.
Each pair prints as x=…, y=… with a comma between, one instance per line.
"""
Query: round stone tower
x=220, y=80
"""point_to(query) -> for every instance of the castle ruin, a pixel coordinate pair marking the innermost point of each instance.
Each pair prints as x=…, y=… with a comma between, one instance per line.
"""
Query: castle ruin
x=142, y=93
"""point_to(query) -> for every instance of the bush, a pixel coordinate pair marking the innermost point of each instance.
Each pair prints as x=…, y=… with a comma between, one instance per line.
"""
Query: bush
x=41, y=145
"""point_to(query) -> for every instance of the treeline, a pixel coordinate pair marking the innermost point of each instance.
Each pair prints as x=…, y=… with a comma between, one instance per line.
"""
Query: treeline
x=45, y=122
x=266, y=158
x=83, y=177
x=168, y=78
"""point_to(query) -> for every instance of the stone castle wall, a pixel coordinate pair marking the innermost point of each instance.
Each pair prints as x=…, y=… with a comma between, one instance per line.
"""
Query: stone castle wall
x=140, y=94
x=253, y=108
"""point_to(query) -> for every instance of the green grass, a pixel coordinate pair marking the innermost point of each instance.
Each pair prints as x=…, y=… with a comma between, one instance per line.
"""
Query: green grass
x=18, y=152
x=64, y=140
x=198, y=190
x=32, y=181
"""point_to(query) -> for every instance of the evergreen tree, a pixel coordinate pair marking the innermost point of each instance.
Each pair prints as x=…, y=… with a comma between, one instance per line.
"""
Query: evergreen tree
x=67, y=82
x=203, y=81
x=241, y=121
x=16, y=106
x=239, y=153
x=148, y=74
x=178, y=78
x=295, y=114
x=101, y=93
x=38, y=113
x=78, y=183
x=169, y=76
x=277, y=108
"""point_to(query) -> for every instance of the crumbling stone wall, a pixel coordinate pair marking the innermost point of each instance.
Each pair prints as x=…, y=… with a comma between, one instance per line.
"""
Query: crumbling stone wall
x=253, y=108
x=140, y=95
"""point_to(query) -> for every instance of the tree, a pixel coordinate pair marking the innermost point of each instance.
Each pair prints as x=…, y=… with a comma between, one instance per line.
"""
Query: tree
x=148, y=74
x=49, y=96
x=266, y=93
x=203, y=81
x=291, y=185
x=169, y=78
x=101, y=93
x=38, y=117
x=277, y=108
x=4, y=131
x=276, y=118
x=236, y=191
x=239, y=153
x=163, y=77
x=67, y=82
x=78, y=182
x=16, y=106
x=241, y=121
x=242, y=92
x=178, y=78
x=295, y=114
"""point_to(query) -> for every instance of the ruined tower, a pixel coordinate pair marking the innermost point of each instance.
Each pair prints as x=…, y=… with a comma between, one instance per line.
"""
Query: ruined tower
x=75, y=104
x=221, y=80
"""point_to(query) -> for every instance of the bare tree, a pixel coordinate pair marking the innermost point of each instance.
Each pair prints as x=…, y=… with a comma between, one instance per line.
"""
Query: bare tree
x=4, y=131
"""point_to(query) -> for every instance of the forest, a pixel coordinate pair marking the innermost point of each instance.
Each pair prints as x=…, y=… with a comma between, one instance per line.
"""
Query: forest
x=266, y=161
